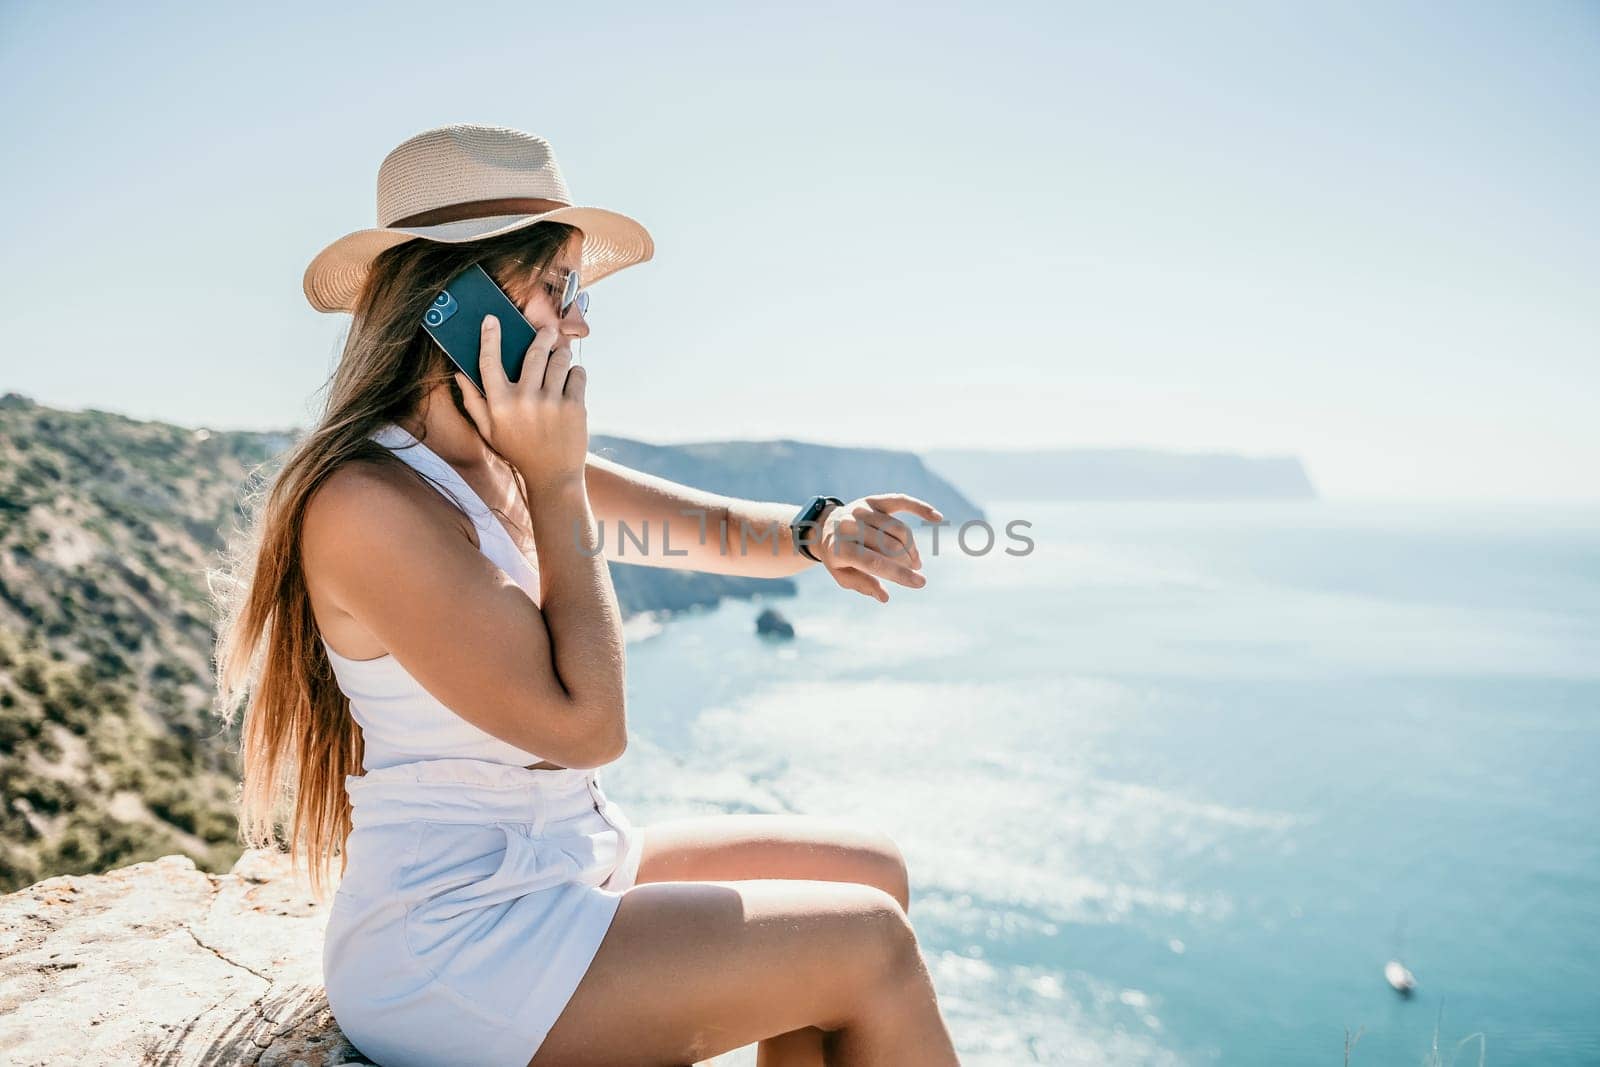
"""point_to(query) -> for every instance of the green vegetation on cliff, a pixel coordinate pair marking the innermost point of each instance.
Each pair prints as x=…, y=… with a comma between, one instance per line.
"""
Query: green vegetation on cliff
x=109, y=753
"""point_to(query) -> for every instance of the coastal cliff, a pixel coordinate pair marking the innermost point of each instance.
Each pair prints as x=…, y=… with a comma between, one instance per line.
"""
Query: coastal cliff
x=791, y=470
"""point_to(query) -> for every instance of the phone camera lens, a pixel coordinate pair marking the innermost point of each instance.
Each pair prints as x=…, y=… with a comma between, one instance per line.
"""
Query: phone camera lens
x=434, y=317
x=442, y=300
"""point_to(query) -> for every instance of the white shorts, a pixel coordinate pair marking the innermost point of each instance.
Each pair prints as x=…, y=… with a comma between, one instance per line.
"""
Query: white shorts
x=474, y=898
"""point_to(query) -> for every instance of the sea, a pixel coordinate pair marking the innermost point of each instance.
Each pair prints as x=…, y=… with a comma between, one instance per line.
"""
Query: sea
x=1175, y=781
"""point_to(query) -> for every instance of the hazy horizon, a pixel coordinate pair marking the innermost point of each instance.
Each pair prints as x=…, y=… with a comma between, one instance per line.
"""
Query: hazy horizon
x=1362, y=236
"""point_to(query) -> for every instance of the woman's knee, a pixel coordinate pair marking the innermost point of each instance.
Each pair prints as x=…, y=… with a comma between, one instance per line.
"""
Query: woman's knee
x=888, y=950
x=893, y=879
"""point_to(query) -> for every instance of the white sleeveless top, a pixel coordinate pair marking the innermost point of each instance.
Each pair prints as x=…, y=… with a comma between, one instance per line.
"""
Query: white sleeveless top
x=401, y=722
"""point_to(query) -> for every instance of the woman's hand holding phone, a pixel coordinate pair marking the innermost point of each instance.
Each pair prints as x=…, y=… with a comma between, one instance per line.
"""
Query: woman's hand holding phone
x=539, y=422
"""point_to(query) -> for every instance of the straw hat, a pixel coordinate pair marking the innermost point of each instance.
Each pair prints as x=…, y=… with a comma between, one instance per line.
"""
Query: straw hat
x=460, y=183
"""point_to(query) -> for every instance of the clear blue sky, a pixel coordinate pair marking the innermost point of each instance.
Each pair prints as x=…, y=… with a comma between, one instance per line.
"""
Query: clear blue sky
x=1365, y=233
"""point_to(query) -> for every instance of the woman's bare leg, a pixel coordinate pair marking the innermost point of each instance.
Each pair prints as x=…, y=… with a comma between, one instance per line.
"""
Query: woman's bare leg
x=732, y=847
x=707, y=848
x=690, y=970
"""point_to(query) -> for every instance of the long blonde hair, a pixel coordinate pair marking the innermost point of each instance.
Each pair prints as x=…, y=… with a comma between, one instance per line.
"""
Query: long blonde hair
x=298, y=739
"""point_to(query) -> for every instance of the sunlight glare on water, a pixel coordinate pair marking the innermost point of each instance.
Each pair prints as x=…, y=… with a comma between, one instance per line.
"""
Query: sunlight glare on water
x=1167, y=785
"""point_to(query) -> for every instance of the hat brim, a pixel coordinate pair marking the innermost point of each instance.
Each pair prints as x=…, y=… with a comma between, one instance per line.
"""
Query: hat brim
x=611, y=241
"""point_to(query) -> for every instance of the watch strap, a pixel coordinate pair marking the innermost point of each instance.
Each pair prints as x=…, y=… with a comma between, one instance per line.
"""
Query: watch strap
x=805, y=521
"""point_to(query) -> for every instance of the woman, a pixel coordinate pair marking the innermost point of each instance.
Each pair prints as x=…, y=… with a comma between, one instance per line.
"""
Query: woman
x=435, y=664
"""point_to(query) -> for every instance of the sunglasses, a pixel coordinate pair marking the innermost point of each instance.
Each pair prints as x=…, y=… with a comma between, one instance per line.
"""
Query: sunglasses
x=569, y=292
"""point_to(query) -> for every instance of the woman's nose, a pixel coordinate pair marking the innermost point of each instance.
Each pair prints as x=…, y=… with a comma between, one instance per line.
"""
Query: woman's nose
x=574, y=324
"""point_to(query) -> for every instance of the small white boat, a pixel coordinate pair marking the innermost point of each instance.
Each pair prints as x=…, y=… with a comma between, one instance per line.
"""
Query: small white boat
x=1396, y=974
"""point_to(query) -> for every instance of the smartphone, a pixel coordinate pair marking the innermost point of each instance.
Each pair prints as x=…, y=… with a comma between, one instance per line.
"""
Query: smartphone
x=455, y=321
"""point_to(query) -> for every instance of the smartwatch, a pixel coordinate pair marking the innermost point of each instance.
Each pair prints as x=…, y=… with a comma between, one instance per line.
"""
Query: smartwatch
x=805, y=521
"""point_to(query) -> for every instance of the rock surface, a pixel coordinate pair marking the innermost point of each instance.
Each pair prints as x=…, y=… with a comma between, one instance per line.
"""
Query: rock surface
x=163, y=964
x=771, y=623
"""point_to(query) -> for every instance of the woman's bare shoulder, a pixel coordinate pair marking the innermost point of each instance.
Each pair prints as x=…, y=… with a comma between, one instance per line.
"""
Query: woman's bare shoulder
x=363, y=499
x=374, y=535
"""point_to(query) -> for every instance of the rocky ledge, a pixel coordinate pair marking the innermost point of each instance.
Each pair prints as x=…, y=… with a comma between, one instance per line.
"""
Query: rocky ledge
x=161, y=963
